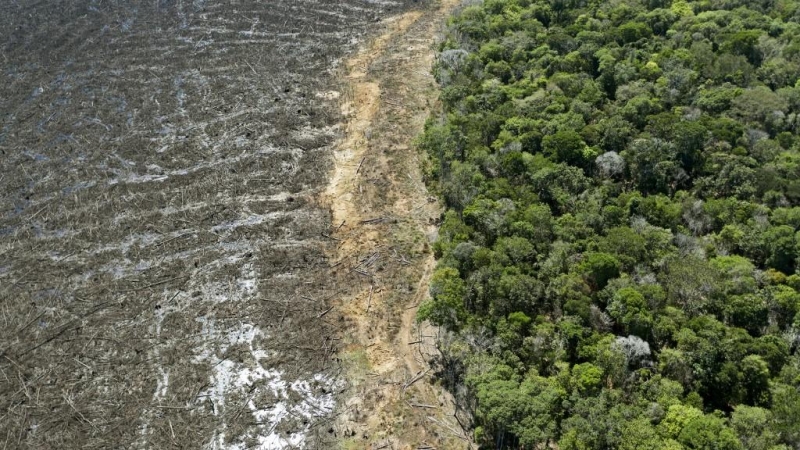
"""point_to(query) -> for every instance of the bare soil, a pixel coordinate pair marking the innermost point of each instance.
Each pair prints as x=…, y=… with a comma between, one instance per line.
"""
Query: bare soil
x=385, y=220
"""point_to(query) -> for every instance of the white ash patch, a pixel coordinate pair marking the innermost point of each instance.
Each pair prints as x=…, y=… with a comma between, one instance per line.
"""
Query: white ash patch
x=61, y=233
x=140, y=239
x=280, y=197
x=311, y=136
x=248, y=282
x=162, y=385
x=159, y=174
x=270, y=398
x=135, y=178
x=328, y=95
x=255, y=219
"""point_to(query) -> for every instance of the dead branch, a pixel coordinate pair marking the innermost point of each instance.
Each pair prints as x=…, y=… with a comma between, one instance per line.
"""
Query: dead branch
x=420, y=405
x=376, y=220
x=360, y=163
x=369, y=301
x=418, y=377
x=322, y=314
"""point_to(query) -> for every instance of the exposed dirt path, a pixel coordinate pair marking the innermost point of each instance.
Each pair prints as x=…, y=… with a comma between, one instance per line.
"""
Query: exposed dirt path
x=385, y=219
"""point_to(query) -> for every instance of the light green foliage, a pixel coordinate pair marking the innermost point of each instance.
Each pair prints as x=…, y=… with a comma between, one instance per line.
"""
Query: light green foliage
x=752, y=425
x=528, y=409
x=587, y=377
x=755, y=380
x=681, y=8
x=640, y=434
x=677, y=418
x=786, y=411
x=708, y=432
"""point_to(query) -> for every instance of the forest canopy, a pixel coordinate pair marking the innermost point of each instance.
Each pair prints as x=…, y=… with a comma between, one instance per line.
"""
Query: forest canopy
x=618, y=261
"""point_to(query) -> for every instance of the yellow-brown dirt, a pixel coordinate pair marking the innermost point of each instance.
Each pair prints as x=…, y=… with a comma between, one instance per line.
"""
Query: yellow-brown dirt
x=384, y=219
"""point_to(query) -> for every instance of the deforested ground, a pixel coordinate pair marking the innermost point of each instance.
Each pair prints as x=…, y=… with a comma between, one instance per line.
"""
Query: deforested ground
x=164, y=271
x=386, y=221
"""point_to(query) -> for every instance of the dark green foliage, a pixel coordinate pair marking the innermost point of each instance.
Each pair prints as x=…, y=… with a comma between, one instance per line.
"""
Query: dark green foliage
x=599, y=268
x=565, y=146
x=617, y=262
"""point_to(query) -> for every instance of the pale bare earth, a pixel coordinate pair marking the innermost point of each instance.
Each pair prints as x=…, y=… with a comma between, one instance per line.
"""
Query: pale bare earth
x=384, y=219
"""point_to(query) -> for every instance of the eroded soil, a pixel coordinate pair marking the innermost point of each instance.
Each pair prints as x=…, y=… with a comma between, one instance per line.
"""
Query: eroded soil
x=385, y=220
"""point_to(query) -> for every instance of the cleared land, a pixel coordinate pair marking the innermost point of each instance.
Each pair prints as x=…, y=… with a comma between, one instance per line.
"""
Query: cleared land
x=385, y=221
x=164, y=273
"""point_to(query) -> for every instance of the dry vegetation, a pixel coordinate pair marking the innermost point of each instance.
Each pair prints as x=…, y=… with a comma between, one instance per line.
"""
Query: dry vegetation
x=164, y=276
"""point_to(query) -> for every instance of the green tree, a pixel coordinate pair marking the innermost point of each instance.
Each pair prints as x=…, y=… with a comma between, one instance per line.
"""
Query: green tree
x=632, y=32
x=587, y=378
x=565, y=146
x=677, y=418
x=761, y=106
x=782, y=246
x=690, y=283
x=690, y=139
x=744, y=43
x=753, y=427
x=747, y=311
x=630, y=309
x=446, y=307
x=640, y=434
x=786, y=411
x=755, y=379
x=654, y=165
x=708, y=432
x=599, y=268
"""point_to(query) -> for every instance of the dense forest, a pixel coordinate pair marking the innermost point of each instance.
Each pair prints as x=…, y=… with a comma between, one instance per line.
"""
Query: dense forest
x=618, y=261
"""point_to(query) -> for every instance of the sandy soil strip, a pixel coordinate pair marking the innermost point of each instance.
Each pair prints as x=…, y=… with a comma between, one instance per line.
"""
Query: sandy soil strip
x=384, y=219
